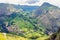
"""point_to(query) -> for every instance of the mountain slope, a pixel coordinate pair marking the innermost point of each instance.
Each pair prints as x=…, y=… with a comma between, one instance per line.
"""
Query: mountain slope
x=48, y=16
x=17, y=22
x=55, y=36
x=29, y=22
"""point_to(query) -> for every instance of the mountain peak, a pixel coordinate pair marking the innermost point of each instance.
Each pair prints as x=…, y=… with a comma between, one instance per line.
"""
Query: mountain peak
x=46, y=4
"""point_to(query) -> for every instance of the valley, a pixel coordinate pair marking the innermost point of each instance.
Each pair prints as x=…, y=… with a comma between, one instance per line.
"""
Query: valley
x=22, y=22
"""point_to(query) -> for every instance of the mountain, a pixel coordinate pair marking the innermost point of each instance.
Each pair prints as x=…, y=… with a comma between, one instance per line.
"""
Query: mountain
x=48, y=15
x=26, y=7
x=31, y=22
x=15, y=19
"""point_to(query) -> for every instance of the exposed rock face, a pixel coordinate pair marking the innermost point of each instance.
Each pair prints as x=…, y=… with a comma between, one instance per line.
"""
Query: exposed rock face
x=49, y=16
x=55, y=36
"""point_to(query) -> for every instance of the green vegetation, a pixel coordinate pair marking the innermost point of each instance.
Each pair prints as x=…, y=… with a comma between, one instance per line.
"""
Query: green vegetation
x=18, y=24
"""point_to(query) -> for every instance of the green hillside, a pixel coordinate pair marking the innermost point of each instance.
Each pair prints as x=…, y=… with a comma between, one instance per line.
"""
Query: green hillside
x=32, y=23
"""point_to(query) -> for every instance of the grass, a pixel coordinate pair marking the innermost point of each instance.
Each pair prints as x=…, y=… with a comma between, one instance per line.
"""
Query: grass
x=15, y=37
x=11, y=37
x=43, y=38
